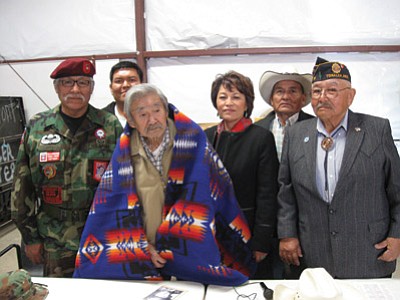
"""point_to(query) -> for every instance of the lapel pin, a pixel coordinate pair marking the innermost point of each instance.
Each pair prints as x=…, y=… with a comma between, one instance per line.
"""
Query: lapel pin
x=306, y=139
x=358, y=129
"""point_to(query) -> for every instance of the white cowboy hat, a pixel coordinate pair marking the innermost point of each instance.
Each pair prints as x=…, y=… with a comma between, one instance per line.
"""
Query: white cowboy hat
x=269, y=78
x=317, y=284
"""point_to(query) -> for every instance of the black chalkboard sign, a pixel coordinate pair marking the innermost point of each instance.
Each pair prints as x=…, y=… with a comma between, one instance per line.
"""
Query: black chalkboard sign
x=12, y=124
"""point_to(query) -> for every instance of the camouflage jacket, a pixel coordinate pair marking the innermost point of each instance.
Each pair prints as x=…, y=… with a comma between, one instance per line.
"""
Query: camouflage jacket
x=57, y=174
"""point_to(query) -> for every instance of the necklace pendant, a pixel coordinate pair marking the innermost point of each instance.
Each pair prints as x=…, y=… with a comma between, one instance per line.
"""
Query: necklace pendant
x=327, y=143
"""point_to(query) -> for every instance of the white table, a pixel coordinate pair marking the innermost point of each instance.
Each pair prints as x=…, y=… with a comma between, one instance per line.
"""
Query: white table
x=374, y=289
x=77, y=288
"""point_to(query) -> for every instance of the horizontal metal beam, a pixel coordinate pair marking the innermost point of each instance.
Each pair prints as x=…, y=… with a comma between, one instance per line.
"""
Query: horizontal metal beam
x=230, y=51
x=273, y=50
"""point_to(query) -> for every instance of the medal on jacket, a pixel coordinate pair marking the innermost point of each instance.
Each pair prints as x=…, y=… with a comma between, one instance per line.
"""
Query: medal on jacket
x=100, y=135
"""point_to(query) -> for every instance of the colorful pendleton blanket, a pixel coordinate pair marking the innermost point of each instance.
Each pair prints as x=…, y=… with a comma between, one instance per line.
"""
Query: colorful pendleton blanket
x=204, y=235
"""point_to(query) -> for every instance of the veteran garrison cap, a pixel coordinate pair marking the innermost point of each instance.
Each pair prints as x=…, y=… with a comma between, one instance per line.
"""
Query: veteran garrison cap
x=324, y=70
x=74, y=67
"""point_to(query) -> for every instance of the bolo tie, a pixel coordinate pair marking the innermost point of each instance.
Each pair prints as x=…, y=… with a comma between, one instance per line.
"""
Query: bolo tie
x=326, y=145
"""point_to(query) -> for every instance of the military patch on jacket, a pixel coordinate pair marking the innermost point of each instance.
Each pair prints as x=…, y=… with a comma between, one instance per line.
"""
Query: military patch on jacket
x=49, y=156
x=50, y=139
x=99, y=167
x=50, y=171
x=52, y=194
x=100, y=134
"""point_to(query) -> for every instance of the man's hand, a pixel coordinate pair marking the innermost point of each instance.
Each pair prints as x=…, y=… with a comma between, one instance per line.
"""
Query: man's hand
x=259, y=256
x=392, y=251
x=34, y=253
x=156, y=259
x=290, y=251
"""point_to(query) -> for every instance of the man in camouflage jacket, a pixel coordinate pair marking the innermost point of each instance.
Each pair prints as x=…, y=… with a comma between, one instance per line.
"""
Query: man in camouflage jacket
x=62, y=156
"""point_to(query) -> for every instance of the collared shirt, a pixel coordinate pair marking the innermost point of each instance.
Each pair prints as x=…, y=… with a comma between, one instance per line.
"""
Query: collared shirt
x=156, y=155
x=121, y=118
x=334, y=158
x=278, y=130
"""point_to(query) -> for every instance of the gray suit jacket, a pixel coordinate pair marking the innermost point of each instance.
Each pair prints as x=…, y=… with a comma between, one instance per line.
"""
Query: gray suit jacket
x=365, y=208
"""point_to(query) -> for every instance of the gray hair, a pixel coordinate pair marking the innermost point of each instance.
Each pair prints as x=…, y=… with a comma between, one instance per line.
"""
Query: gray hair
x=140, y=91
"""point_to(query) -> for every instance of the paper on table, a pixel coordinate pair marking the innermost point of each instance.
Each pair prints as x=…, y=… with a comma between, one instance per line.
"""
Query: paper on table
x=164, y=293
x=375, y=291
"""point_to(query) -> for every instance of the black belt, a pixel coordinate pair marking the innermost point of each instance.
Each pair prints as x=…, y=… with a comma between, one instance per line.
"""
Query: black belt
x=64, y=214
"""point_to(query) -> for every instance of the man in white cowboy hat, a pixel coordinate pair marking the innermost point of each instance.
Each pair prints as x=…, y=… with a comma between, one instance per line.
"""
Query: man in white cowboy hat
x=287, y=93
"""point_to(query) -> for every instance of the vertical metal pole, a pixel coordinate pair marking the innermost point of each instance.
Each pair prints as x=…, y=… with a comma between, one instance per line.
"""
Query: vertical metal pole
x=141, y=36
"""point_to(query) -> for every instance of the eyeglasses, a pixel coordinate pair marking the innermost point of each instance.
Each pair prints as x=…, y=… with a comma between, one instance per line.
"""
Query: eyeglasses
x=71, y=83
x=330, y=93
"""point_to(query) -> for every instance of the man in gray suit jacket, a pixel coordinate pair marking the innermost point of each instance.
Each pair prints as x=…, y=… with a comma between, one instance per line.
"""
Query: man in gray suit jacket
x=287, y=93
x=339, y=198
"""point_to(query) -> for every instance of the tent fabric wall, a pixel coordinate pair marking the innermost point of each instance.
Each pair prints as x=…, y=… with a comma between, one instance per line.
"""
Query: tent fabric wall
x=260, y=23
x=55, y=28
x=187, y=81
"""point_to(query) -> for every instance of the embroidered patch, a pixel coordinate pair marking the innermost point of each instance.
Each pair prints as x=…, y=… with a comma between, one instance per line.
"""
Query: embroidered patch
x=100, y=134
x=336, y=68
x=86, y=67
x=50, y=171
x=50, y=139
x=99, y=167
x=52, y=194
x=49, y=156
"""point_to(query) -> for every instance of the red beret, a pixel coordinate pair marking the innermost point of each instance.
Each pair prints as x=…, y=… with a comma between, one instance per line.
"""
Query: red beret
x=74, y=67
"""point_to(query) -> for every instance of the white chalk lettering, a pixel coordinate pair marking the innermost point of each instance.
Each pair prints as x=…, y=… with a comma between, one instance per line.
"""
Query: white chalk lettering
x=6, y=153
x=7, y=173
x=7, y=113
x=7, y=164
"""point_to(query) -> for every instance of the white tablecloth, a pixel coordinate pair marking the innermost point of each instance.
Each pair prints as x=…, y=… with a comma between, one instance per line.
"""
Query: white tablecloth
x=374, y=289
x=92, y=289
x=68, y=288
